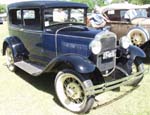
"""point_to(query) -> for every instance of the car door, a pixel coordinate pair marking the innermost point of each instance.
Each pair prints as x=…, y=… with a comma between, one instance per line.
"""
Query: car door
x=32, y=33
x=118, y=24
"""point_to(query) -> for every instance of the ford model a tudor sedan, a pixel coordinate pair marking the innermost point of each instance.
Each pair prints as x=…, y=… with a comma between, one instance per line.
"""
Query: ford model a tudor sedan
x=44, y=38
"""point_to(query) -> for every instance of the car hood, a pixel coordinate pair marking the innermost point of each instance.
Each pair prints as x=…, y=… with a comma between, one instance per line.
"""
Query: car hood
x=89, y=33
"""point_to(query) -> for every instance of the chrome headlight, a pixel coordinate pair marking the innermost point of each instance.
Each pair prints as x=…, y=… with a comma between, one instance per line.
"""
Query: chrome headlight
x=95, y=47
x=124, y=42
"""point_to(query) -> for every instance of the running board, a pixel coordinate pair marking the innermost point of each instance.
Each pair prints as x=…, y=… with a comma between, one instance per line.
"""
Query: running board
x=31, y=68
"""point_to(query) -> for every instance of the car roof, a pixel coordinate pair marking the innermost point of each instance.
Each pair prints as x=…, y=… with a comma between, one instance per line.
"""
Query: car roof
x=118, y=6
x=46, y=4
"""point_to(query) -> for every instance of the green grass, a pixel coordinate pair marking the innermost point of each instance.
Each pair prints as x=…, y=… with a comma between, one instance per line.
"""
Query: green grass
x=19, y=96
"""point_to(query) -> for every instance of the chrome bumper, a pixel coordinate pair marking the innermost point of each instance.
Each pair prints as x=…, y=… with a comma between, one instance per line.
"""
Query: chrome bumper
x=97, y=89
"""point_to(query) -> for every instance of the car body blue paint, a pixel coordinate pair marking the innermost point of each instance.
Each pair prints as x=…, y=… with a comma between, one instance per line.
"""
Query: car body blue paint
x=136, y=52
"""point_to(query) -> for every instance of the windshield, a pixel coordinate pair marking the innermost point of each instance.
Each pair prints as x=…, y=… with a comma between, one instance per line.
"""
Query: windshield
x=54, y=16
x=135, y=13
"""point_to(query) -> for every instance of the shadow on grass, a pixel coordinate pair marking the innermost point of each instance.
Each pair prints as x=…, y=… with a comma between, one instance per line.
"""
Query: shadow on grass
x=115, y=99
x=43, y=82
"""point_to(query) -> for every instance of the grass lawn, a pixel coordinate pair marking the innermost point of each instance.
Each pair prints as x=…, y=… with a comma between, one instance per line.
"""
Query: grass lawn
x=21, y=95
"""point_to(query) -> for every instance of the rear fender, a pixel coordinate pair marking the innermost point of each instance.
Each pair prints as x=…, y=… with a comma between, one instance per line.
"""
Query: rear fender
x=17, y=47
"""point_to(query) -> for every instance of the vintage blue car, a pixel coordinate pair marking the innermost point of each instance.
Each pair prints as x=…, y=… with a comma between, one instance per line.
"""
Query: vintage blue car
x=44, y=38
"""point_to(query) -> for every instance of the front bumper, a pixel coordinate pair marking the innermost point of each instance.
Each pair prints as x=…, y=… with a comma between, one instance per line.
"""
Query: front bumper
x=97, y=89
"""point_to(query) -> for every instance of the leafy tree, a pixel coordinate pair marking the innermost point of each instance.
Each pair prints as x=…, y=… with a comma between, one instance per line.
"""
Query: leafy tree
x=118, y=1
x=90, y=3
x=133, y=1
x=136, y=1
x=2, y=8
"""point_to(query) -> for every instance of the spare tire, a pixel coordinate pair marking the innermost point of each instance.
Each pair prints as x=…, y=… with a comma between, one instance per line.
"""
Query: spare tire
x=138, y=36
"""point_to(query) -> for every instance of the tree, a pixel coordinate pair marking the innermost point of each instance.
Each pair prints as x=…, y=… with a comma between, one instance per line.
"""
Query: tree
x=90, y=3
x=136, y=1
x=2, y=8
x=133, y=1
x=118, y=1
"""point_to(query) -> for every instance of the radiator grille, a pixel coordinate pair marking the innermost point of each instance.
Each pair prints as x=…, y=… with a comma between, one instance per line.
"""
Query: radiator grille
x=108, y=45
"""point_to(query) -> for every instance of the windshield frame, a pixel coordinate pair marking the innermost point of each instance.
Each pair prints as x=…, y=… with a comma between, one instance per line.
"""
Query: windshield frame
x=52, y=23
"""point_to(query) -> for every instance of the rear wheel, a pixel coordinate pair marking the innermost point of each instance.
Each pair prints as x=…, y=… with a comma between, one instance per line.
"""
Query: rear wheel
x=70, y=89
x=10, y=59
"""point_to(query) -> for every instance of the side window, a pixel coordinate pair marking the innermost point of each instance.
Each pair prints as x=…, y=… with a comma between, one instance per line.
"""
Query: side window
x=31, y=19
x=114, y=15
x=15, y=17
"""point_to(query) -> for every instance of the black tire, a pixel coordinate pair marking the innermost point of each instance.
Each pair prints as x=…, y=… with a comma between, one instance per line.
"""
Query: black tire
x=70, y=89
x=10, y=59
x=139, y=67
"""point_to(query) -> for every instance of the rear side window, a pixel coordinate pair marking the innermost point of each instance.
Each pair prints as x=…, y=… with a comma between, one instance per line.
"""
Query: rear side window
x=15, y=17
x=31, y=19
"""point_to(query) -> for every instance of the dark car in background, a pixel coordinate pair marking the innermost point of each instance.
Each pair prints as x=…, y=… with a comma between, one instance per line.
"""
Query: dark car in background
x=1, y=20
x=44, y=38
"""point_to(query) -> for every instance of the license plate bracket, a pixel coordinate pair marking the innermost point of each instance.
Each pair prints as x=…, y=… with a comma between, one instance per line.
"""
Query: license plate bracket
x=109, y=54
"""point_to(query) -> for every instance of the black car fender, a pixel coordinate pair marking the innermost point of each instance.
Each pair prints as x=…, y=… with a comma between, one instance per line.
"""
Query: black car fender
x=77, y=62
x=17, y=47
x=136, y=52
x=146, y=48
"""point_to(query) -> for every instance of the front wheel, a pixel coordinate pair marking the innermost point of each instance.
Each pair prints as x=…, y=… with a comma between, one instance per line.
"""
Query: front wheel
x=70, y=89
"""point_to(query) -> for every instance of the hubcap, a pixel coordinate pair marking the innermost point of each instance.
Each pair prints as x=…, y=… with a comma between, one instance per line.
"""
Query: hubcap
x=137, y=39
x=73, y=90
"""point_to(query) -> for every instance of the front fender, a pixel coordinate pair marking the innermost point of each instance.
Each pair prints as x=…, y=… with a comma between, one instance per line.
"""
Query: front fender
x=76, y=62
x=136, y=52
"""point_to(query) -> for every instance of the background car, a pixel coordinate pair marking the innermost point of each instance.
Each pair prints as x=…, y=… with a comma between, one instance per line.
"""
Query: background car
x=1, y=20
x=131, y=20
x=122, y=18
